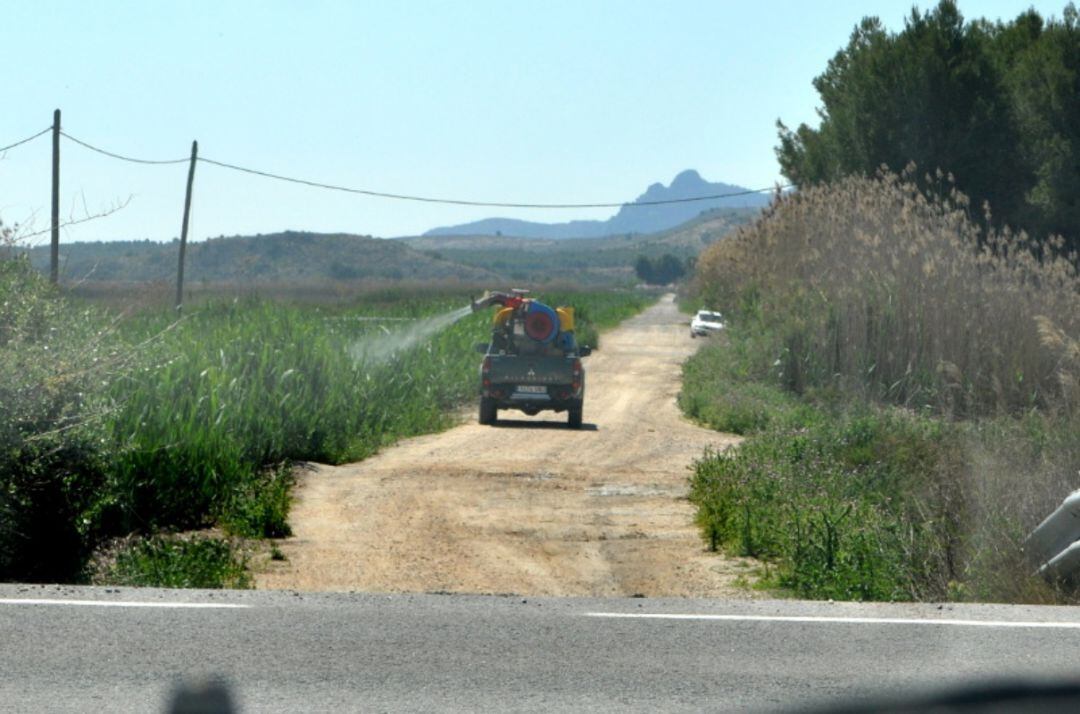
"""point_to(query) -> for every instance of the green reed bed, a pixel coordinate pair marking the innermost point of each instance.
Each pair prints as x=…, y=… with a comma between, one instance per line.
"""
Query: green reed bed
x=154, y=424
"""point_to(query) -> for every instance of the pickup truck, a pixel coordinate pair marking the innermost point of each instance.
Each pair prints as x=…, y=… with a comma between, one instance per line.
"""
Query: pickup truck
x=532, y=362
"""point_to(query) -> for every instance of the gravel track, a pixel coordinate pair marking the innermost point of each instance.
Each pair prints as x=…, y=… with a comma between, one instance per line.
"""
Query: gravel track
x=527, y=506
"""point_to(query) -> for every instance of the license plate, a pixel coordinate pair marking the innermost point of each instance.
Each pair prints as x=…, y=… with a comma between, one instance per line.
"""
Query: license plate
x=532, y=389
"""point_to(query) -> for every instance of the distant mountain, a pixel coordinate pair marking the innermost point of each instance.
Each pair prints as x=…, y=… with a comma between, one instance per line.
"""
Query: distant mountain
x=280, y=257
x=604, y=260
x=301, y=258
x=629, y=219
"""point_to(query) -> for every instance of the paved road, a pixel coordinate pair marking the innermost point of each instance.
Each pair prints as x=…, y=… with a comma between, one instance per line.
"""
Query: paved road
x=324, y=652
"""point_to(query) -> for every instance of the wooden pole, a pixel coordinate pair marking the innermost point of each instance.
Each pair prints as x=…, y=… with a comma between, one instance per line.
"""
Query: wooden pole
x=54, y=252
x=184, y=227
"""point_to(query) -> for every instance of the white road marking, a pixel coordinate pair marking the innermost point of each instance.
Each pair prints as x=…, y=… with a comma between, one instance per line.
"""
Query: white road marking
x=840, y=620
x=122, y=603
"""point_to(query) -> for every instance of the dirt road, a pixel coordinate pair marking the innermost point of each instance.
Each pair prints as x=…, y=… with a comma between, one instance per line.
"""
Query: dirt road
x=527, y=506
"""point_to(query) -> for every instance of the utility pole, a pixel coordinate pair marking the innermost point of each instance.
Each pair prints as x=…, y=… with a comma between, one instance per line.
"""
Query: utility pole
x=184, y=227
x=54, y=252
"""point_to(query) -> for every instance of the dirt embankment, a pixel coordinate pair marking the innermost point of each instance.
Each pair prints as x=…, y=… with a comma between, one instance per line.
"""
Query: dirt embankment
x=527, y=506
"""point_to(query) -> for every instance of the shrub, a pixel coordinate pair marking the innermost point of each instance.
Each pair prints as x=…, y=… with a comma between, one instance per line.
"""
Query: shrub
x=719, y=391
x=857, y=508
x=54, y=359
x=172, y=562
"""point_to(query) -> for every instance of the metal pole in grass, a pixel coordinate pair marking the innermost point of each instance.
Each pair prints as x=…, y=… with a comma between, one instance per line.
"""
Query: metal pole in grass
x=184, y=227
x=54, y=250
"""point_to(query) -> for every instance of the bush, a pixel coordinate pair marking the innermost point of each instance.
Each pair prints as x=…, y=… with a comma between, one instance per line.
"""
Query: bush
x=171, y=562
x=887, y=505
x=860, y=508
x=54, y=360
x=259, y=506
x=719, y=391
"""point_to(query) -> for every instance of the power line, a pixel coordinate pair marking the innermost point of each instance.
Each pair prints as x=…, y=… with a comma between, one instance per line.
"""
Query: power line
x=489, y=204
x=417, y=198
x=44, y=131
x=121, y=157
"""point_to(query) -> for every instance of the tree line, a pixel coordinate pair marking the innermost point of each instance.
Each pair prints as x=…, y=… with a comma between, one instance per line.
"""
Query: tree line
x=996, y=105
x=663, y=270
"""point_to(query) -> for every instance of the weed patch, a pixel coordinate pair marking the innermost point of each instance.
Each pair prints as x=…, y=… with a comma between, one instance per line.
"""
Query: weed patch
x=178, y=562
x=908, y=385
x=721, y=393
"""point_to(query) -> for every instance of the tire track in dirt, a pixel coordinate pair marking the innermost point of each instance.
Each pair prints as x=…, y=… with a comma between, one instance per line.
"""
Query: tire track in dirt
x=527, y=506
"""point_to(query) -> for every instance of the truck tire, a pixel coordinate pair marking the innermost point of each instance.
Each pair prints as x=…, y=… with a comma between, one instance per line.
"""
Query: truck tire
x=488, y=412
x=574, y=418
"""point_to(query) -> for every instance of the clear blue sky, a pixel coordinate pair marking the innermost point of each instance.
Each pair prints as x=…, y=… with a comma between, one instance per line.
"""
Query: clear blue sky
x=549, y=101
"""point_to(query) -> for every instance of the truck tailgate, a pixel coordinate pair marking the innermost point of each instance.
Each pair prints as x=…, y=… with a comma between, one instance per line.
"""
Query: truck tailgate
x=512, y=369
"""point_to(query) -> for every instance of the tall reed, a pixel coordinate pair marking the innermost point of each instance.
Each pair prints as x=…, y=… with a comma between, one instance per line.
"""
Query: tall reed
x=878, y=287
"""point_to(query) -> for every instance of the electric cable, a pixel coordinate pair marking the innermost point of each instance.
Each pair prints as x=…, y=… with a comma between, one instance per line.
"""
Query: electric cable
x=44, y=131
x=489, y=204
x=419, y=198
x=121, y=157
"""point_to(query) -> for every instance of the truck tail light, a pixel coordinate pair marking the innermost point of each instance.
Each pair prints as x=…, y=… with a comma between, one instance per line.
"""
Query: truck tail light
x=576, y=373
x=485, y=372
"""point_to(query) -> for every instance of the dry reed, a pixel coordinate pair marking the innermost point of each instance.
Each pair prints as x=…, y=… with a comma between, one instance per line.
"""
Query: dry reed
x=881, y=287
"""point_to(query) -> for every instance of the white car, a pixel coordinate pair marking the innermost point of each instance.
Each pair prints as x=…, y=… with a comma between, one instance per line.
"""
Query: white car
x=706, y=322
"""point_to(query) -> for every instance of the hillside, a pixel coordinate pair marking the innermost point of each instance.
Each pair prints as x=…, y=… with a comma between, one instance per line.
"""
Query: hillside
x=280, y=257
x=604, y=260
x=629, y=219
x=313, y=258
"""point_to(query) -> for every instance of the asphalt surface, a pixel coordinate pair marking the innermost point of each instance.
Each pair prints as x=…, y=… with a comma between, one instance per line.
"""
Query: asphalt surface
x=60, y=650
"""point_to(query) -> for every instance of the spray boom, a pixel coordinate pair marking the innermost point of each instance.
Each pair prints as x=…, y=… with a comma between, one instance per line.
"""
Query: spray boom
x=540, y=323
x=514, y=299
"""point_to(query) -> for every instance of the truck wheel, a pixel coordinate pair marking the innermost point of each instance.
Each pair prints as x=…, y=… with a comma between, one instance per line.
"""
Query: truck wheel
x=488, y=412
x=574, y=419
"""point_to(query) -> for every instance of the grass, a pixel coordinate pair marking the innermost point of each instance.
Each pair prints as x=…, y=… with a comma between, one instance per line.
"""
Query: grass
x=173, y=562
x=850, y=500
x=908, y=387
x=725, y=390
x=842, y=506
x=153, y=425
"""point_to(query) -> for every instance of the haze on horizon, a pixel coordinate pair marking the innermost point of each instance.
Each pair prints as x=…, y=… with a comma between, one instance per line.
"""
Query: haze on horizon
x=575, y=103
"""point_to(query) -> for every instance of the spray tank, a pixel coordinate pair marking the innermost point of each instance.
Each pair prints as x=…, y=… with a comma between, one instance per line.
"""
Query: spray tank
x=521, y=316
x=533, y=362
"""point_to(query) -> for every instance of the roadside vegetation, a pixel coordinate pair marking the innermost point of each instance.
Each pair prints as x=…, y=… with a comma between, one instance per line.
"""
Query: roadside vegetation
x=908, y=382
x=997, y=103
x=608, y=261
x=170, y=561
x=151, y=425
